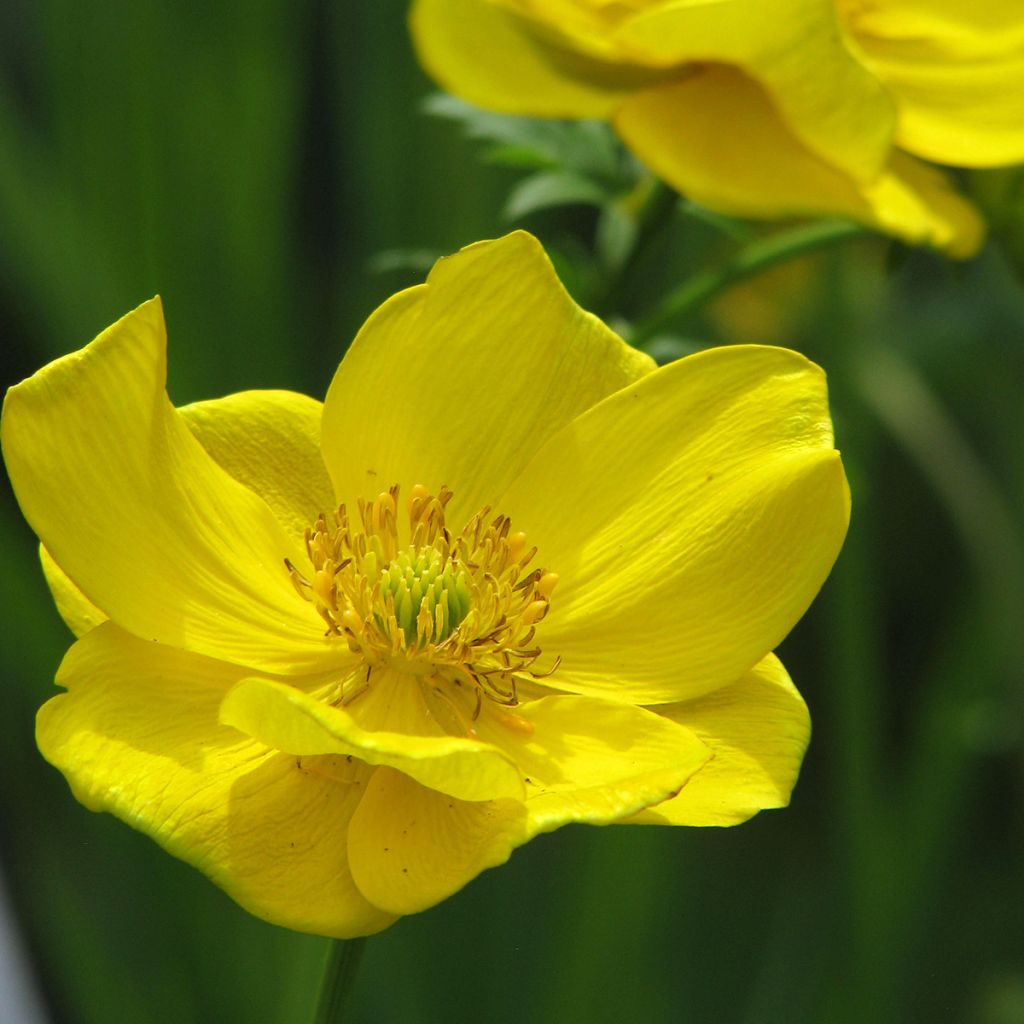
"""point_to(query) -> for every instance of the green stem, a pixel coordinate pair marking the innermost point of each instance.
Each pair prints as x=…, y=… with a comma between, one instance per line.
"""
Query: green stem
x=340, y=968
x=753, y=259
x=657, y=207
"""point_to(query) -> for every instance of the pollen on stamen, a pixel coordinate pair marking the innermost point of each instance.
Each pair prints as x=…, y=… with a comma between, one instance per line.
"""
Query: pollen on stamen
x=460, y=609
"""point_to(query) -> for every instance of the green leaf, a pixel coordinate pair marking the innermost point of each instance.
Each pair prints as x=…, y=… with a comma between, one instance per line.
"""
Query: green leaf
x=589, y=148
x=548, y=189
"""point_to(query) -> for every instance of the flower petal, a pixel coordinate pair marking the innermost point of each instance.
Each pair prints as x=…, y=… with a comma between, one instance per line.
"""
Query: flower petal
x=794, y=49
x=75, y=608
x=708, y=506
x=270, y=442
x=757, y=730
x=958, y=78
x=491, y=57
x=591, y=760
x=150, y=529
x=459, y=381
x=410, y=847
x=290, y=720
x=137, y=735
x=758, y=168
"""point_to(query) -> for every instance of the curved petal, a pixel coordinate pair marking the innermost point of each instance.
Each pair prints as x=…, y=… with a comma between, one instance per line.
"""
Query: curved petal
x=459, y=381
x=759, y=169
x=137, y=735
x=410, y=847
x=833, y=104
x=75, y=608
x=151, y=530
x=708, y=506
x=590, y=760
x=290, y=720
x=489, y=56
x=958, y=79
x=758, y=730
x=270, y=442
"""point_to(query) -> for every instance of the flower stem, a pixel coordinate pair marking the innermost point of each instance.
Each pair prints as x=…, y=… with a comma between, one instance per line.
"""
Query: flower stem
x=655, y=211
x=340, y=968
x=751, y=260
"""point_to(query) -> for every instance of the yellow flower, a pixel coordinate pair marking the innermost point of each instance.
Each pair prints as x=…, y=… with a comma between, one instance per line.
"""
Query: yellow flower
x=764, y=108
x=343, y=657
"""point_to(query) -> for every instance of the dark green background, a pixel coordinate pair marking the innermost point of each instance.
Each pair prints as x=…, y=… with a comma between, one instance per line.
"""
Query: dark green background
x=247, y=160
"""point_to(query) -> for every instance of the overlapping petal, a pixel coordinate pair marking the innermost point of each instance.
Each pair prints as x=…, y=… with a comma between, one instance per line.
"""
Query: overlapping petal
x=137, y=734
x=592, y=760
x=457, y=382
x=288, y=719
x=144, y=522
x=758, y=168
x=410, y=847
x=270, y=442
x=827, y=99
x=515, y=72
x=74, y=607
x=708, y=506
x=757, y=730
x=960, y=85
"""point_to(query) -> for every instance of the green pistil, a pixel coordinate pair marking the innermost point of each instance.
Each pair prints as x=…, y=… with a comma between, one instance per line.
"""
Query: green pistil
x=420, y=579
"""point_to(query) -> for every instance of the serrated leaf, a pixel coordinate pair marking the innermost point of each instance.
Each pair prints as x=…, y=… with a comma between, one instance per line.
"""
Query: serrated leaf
x=548, y=189
x=587, y=147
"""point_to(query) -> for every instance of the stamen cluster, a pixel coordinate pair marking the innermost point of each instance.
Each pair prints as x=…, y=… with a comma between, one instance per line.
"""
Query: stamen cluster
x=425, y=601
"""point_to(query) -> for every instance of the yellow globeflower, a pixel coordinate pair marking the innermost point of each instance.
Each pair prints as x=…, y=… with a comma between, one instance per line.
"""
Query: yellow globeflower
x=343, y=657
x=764, y=108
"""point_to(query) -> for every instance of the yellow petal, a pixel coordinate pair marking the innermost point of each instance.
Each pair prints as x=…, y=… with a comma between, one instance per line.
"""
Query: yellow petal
x=150, y=529
x=269, y=441
x=793, y=48
x=75, y=608
x=759, y=169
x=708, y=506
x=410, y=847
x=459, y=381
x=757, y=730
x=137, y=735
x=493, y=58
x=958, y=77
x=590, y=760
x=296, y=722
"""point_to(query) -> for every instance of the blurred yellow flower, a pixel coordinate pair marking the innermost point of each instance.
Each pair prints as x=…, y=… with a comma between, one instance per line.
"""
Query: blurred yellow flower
x=547, y=592
x=760, y=108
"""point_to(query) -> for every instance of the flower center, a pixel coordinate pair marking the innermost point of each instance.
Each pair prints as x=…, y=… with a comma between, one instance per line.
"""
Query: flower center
x=419, y=599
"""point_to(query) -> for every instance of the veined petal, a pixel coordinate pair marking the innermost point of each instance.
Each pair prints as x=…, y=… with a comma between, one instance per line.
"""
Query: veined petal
x=460, y=380
x=757, y=730
x=290, y=720
x=137, y=735
x=150, y=529
x=410, y=847
x=708, y=506
x=959, y=86
x=591, y=760
x=270, y=442
x=267, y=440
x=758, y=168
x=75, y=608
x=794, y=48
x=492, y=57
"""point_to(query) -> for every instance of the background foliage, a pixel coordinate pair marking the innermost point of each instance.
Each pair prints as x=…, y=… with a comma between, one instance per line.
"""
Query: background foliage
x=268, y=168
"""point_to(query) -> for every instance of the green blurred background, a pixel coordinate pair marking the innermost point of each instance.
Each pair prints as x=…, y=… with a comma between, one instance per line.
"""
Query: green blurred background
x=250, y=161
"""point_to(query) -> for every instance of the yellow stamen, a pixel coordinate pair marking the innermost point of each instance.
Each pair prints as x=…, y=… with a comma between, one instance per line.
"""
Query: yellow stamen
x=460, y=608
